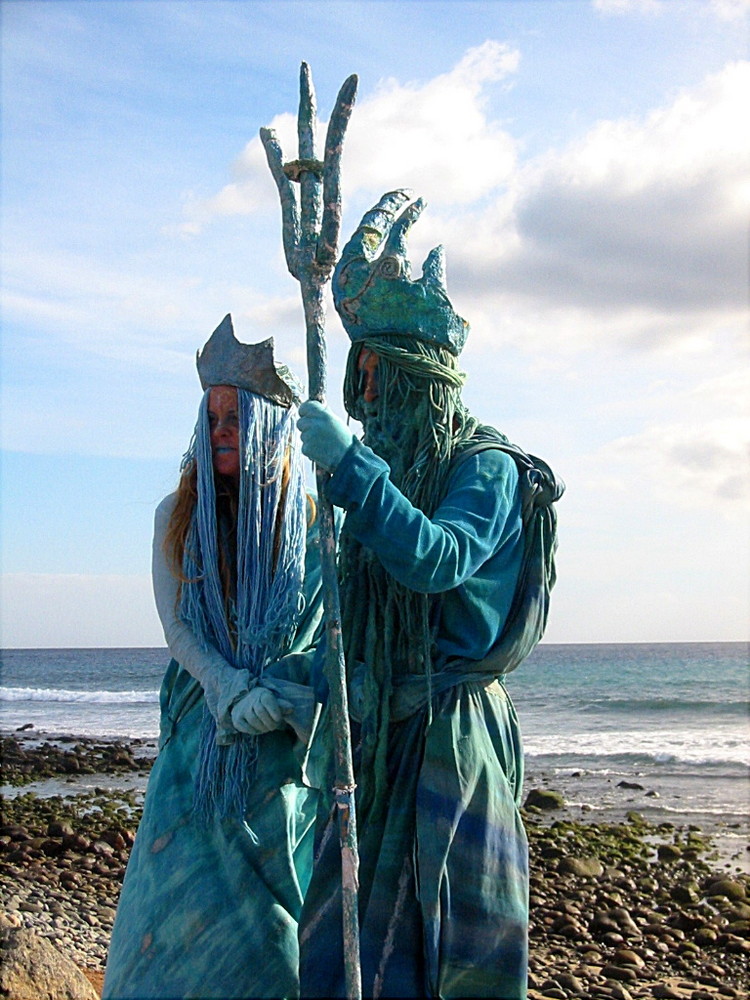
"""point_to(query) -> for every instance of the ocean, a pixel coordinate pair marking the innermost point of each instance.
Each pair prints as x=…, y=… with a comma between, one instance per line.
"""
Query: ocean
x=669, y=718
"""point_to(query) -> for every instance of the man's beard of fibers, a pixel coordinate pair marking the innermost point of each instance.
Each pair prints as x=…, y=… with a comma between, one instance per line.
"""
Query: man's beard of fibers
x=393, y=434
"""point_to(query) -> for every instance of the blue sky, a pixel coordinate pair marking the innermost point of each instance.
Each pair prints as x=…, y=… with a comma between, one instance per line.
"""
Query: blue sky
x=585, y=165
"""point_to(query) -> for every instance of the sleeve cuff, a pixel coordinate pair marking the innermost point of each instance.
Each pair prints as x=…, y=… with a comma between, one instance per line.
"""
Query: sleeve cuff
x=221, y=702
x=355, y=476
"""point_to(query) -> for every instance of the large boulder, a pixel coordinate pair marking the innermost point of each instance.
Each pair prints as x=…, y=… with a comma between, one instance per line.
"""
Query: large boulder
x=544, y=798
x=31, y=968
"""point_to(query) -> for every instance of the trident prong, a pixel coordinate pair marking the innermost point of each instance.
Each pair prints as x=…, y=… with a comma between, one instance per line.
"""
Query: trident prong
x=311, y=220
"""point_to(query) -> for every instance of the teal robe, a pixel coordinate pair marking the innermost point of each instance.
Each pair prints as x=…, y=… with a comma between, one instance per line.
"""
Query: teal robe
x=443, y=900
x=211, y=911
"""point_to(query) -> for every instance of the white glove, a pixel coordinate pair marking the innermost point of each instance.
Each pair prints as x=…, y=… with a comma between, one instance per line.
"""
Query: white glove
x=259, y=711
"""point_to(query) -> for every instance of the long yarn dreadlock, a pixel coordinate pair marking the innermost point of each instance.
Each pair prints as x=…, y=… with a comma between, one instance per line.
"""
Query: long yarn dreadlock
x=256, y=625
x=416, y=424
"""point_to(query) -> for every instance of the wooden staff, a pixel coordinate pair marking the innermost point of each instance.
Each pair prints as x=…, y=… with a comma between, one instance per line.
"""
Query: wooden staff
x=311, y=230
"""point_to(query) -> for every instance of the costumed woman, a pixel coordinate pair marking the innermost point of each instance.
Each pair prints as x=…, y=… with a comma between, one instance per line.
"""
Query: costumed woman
x=446, y=567
x=216, y=878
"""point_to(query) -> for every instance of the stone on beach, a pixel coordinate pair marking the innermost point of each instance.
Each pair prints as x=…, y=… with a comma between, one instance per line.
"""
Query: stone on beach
x=33, y=969
x=544, y=798
x=583, y=867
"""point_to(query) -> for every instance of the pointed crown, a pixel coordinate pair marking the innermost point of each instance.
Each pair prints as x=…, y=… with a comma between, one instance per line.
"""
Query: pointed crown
x=225, y=361
x=372, y=287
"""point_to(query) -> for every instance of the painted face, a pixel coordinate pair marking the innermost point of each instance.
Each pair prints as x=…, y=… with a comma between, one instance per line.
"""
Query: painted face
x=367, y=365
x=224, y=424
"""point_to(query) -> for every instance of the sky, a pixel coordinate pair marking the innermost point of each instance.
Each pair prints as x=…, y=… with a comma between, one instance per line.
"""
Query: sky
x=586, y=167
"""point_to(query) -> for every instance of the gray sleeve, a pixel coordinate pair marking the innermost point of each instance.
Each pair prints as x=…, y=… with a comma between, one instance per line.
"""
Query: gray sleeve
x=222, y=684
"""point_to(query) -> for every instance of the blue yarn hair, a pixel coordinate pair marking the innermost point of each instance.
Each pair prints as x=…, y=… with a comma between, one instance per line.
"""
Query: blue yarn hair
x=256, y=626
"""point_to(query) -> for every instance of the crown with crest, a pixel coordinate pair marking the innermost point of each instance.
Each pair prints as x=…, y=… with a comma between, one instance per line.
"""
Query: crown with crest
x=372, y=287
x=225, y=361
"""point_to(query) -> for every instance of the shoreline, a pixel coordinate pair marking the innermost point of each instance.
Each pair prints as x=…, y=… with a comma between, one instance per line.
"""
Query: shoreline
x=624, y=906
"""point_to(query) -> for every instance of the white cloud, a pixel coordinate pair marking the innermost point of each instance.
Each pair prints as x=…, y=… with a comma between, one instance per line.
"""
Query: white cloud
x=405, y=134
x=697, y=459
x=730, y=10
x=636, y=232
x=692, y=465
x=435, y=138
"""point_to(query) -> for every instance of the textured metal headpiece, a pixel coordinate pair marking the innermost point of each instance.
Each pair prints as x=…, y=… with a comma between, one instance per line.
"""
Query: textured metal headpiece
x=225, y=361
x=372, y=287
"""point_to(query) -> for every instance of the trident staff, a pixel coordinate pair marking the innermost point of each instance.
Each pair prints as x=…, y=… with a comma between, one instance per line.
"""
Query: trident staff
x=311, y=227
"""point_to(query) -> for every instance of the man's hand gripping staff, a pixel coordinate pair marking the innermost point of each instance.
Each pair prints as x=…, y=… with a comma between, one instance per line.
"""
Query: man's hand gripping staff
x=311, y=225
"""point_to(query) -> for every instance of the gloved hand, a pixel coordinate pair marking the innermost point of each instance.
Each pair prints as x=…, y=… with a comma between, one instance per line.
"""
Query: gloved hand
x=325, y=438
x=259, y=711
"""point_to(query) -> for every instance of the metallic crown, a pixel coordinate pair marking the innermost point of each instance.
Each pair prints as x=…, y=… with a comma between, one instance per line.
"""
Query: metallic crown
x=372, y=287
x=225, y=361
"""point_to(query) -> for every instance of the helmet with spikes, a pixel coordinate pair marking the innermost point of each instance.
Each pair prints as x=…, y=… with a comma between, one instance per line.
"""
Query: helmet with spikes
x=225, y=361
x=372, y=287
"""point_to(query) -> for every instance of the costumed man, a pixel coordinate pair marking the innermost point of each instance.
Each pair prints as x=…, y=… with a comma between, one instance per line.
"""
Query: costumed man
x=446, y=565
x=223, y=854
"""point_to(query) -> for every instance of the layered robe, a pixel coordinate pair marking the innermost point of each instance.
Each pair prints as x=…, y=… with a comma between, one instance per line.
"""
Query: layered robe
x=443, y=892
x=211, y=910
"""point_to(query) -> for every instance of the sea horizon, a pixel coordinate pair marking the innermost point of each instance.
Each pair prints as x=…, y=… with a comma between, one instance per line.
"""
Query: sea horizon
x=658, y=727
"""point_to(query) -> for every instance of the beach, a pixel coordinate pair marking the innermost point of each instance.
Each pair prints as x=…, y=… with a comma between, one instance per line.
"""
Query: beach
x=627, y=906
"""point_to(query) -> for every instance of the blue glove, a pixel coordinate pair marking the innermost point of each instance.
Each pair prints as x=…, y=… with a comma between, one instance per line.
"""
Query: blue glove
x=325, y=438
x=259, y=711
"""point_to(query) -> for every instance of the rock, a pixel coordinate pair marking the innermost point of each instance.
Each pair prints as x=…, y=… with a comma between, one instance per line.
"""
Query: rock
x=618, y=992
x=570, y=983
x=52, y=848
x=686, y=893
x=620, y=973
x=668, y=852
x=16, y=833
x=33, y=969
x=634, y=817
x=727, y=887
x=603, y=923
x=544, y=798
x=624, y=956
x=76, y=842
x=631, y=784
x=666, y=992
x=705, y=936
x=625, y=922
x=27, y=906
x=58, y=829
x=583, y=867
x=115, y=839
